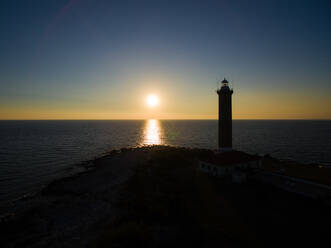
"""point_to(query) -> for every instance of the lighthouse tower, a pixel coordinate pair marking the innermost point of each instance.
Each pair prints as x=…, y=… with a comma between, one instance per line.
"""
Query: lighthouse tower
x=225, y=117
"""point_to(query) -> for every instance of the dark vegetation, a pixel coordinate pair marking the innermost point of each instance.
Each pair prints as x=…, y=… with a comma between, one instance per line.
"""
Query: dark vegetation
x=168, y=203
x=311, y=172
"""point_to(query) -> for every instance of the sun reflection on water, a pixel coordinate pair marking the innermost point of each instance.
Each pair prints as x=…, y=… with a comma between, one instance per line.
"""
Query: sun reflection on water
x=152, y=132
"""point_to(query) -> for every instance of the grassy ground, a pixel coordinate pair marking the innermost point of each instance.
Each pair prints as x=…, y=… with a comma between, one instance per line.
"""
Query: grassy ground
x=156, y=197
x=169, y=203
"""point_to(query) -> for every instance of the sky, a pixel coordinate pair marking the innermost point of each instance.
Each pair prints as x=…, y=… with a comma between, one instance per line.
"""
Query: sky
x=99, y=59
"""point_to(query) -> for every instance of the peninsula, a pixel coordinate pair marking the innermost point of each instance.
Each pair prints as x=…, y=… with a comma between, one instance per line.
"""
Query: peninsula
x=156, y=196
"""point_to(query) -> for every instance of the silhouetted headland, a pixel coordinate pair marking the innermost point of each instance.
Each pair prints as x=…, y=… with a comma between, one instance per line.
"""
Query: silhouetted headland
x=158, y=196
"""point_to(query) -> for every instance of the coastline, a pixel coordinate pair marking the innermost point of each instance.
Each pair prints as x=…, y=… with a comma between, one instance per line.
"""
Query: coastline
x=74, y=211
x=95, y=188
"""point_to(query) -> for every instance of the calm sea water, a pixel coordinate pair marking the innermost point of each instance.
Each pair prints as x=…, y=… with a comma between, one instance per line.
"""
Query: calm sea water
x=33, y=153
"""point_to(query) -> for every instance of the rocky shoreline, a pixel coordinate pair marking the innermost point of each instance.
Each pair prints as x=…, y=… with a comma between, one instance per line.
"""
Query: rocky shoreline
x=64, y=212
x=155, y=197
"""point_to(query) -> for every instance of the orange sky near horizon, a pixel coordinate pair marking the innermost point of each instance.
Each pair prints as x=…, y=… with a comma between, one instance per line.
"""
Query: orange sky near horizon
x=246, y=105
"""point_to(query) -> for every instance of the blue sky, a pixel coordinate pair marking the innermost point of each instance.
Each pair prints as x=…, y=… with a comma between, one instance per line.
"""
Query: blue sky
x=86, y=59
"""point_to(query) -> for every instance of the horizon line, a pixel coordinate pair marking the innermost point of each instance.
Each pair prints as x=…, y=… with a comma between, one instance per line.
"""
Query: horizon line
x=161, y=119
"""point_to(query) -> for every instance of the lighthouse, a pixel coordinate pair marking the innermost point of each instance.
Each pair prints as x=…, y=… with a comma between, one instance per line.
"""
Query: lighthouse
x=225, y=116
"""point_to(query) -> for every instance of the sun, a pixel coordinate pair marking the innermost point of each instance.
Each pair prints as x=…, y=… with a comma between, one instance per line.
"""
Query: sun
x=152, y=100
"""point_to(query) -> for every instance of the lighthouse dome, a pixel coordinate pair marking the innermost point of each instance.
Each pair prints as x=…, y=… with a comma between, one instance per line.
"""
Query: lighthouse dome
x=224, y=81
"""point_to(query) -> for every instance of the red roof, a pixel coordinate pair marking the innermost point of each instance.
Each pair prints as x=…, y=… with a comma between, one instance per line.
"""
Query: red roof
x=229, y=158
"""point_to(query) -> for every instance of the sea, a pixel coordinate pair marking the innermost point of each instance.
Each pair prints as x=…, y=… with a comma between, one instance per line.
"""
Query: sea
x=34, y=153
